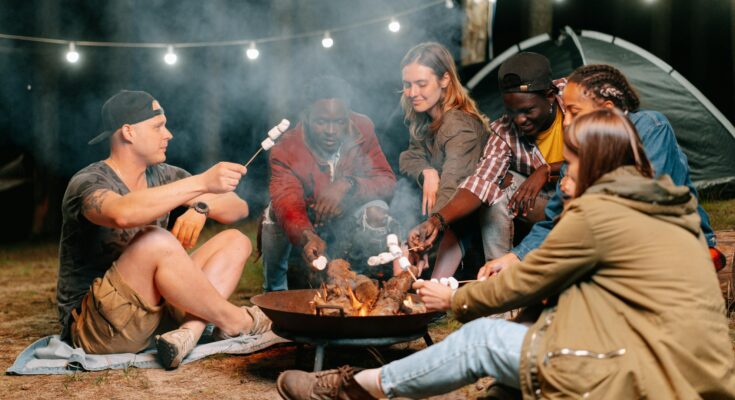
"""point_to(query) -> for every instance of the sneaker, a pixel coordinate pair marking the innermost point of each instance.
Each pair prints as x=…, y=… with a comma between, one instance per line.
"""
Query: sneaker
x=173, y=346
x=261, y=325
x=337, y=384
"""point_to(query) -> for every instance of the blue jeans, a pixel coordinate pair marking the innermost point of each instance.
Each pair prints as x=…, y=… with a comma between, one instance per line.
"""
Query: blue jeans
x=483, y=347
x=496, y=221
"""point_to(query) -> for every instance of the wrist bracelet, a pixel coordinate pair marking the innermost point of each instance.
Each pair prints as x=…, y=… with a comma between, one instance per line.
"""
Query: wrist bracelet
x=442, y=222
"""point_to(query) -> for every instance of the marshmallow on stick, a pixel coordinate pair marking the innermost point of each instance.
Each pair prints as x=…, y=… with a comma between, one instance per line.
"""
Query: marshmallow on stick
x=320, y=263
x=270, y=141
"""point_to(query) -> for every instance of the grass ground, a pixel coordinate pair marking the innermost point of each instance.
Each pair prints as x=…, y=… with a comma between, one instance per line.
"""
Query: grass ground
x=28, y=312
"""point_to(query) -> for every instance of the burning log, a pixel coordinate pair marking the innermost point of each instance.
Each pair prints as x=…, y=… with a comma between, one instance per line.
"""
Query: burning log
x=360, y=295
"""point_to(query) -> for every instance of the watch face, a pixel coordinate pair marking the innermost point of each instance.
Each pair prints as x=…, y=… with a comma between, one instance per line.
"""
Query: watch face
x=201, y=207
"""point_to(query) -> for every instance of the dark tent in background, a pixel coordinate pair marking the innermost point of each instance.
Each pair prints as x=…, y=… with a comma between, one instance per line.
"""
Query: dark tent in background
x=705, y=135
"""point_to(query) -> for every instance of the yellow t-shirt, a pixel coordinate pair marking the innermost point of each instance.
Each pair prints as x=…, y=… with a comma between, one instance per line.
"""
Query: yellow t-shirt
x=551, y=141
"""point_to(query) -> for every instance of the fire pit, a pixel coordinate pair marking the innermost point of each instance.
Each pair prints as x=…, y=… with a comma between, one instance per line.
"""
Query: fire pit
x=293, y=318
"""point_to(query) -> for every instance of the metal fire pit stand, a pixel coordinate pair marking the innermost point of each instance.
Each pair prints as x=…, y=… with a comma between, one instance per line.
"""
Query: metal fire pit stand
x=321, y=343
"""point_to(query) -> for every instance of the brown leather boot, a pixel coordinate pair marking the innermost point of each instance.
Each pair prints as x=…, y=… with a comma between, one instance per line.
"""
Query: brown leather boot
x=333, y=384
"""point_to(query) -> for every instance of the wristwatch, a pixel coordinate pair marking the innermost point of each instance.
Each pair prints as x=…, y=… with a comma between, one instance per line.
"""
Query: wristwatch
x=201, y=207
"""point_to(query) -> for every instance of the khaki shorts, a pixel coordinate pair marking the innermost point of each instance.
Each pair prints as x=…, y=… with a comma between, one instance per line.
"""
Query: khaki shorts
x=114, y=319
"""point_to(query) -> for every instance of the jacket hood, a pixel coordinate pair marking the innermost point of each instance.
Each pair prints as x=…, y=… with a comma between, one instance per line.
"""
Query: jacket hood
x=660, y=198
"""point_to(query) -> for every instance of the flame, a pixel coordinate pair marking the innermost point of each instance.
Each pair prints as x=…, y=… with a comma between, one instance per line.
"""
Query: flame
x=363, y=311
x=408, y=302
x=356, y=304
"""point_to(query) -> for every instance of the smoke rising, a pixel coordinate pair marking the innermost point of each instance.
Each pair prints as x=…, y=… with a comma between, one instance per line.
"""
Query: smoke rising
x=219, y=105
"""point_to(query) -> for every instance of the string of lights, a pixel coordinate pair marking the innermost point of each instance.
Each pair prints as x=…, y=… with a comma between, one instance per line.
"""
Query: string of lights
x=251, y=45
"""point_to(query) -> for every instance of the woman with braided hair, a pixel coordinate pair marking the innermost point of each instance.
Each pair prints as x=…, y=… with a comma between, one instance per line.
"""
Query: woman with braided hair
x=597, y=86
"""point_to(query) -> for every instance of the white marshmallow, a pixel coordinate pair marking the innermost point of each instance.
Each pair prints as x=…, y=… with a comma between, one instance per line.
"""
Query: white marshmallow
x=320, y=263
x=267, y=144
x=380, y=259
x=395, y=251
x=453, y=283
x=283, y=125
x=391, y=240
x=435, y=280
x=274, y=133
x=444, y=281
x=404, y=263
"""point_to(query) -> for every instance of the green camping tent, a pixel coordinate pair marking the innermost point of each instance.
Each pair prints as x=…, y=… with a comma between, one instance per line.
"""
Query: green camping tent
x=705, y=135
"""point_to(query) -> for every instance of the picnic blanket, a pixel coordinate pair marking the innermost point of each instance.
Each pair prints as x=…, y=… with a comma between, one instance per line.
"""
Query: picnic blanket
x=53, y=356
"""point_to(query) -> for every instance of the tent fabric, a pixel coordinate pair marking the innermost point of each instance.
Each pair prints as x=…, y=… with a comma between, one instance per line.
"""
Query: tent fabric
x=705, y=135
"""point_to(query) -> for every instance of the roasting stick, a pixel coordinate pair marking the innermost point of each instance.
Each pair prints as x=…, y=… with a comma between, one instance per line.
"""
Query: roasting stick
x=270, y=141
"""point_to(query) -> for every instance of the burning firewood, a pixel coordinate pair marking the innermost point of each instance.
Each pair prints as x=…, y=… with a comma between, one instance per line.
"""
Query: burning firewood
x=360, y=295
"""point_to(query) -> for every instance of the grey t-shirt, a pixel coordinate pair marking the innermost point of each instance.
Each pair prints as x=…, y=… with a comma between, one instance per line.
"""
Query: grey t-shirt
x=87, y=250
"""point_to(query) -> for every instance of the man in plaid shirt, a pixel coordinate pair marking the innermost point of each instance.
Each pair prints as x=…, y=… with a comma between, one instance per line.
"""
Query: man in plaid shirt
x=513, y=177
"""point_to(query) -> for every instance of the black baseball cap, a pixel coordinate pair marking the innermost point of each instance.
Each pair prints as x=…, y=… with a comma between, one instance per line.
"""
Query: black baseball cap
x=126, y=107
x=525, y=72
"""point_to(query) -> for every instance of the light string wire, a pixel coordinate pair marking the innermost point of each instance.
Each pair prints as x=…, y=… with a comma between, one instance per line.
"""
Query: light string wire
x=239, y=42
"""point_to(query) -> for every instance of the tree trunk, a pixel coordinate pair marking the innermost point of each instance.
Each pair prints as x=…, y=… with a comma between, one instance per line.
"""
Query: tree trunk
x=540, y=17
x=475, y=32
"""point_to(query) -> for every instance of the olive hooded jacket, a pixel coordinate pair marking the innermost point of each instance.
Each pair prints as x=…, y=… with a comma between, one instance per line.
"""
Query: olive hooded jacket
x=639, y=312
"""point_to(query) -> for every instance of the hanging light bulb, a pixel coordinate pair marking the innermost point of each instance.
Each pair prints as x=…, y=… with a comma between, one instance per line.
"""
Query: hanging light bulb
x=252, y=51
x=449, y=3
x=327, y=41
x=72, y=56
x=394, y=26
x=170, y=57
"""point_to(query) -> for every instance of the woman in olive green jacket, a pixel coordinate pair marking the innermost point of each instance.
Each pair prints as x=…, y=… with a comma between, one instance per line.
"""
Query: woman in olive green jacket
x=633, y=306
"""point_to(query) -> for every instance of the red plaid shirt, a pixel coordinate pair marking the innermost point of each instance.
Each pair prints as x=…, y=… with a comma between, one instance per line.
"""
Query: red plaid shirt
x=506, y=148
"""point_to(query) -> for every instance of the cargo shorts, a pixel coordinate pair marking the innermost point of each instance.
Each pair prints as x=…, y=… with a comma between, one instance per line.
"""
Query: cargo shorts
x=114, y=319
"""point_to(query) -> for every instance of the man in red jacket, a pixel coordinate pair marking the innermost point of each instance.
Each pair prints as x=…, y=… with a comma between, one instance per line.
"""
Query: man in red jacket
x=328, y=186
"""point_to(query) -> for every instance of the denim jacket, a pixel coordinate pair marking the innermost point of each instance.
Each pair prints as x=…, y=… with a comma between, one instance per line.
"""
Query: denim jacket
x=666, y=157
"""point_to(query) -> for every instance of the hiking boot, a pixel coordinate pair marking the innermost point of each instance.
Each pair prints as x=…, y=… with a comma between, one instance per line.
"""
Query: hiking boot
x=337, y=384
x=173, y=346
x=501, y=392
x=261, y=324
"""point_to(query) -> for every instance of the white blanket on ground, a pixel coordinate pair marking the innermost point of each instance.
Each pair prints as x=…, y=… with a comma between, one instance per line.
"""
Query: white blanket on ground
x=52, y=356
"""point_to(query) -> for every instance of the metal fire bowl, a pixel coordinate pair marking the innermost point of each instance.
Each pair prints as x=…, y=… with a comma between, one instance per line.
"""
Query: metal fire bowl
x=290, y=311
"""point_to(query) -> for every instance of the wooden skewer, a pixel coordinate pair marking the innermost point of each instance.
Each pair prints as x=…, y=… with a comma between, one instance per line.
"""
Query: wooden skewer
x=253, y=157
x=411, y=273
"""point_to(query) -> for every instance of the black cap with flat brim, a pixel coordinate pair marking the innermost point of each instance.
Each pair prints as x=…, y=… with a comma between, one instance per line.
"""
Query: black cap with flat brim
x=126, y=107
x=525, y=72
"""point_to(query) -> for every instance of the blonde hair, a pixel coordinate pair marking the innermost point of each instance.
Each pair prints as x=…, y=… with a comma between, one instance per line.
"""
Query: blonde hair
x=437, y=57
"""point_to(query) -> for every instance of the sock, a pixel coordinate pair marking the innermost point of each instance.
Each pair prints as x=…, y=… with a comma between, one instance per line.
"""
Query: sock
x=369, y=379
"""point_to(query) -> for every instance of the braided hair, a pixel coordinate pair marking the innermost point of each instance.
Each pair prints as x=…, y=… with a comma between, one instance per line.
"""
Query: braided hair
x=604, y=82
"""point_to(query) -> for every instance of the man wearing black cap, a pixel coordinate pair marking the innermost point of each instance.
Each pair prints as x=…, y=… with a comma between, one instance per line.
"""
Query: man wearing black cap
x=123, y=277
x=519, y=160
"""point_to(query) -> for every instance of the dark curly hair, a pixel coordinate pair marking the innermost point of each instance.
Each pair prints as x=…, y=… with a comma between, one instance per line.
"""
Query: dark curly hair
x=605, y=82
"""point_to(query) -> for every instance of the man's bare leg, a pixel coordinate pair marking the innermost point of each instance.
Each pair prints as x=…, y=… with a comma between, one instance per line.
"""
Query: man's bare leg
x=155, y=265
x=222, y=259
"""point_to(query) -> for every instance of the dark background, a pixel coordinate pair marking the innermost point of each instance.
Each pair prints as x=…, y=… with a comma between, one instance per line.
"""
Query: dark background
x=220, y=105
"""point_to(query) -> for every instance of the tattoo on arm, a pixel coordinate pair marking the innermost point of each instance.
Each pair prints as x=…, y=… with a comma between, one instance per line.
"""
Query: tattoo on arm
x=94, y=201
